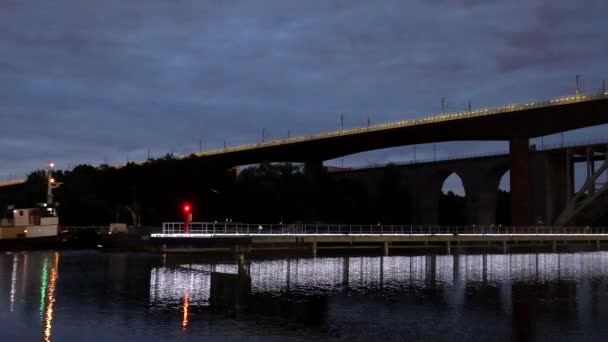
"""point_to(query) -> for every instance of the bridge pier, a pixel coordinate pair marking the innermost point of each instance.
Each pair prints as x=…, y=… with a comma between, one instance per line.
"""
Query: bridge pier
x=386, y=244
x=481, y=198
x=313, y=170
x=519, y=150
x=448, y=247
x=314, y=248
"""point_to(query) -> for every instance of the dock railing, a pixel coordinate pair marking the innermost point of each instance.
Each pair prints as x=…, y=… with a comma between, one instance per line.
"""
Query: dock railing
x=208, y=229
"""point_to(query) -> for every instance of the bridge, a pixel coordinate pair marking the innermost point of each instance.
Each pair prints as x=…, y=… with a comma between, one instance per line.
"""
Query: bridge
x=554, y=197
x=516, y=123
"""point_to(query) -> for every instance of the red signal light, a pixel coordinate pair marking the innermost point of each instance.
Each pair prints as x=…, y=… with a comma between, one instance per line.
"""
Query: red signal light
x=187, y=208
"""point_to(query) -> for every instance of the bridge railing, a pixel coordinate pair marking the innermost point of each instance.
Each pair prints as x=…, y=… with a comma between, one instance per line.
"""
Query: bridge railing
x=231, y=228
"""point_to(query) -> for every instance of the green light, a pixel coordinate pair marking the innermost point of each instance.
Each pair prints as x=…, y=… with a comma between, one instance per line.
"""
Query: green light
x=43, y=282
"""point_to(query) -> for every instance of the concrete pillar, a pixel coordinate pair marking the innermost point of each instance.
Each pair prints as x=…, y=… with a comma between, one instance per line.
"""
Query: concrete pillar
x=554, y=191
x=242, y=265
x=426, y=207
x=386, y=243
x=554, y=246
x=448, y=247
x=481, y=194
x=590, y=167
x=569, y=175
x=520, y=181
x=597, y=244
x=314, y=248
x=504, y=247
x=313, y=170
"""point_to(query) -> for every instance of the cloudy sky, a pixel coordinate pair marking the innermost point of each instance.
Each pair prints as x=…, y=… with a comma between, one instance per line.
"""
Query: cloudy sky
x=81, y=81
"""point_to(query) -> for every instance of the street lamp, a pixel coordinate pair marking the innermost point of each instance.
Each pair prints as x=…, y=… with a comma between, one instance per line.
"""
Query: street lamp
x=50, y=184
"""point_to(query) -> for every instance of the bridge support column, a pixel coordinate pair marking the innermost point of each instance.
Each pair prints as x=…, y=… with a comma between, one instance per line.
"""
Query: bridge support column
x=448, y=247
x=520, y=181
x=481, y=200
x=554, y=246
x=504, y=247
x=569, y=176
x=597, y=245
x=386, y=243
x=313, y=170
x=426, y=207
x=314, y=249
x=590, y=167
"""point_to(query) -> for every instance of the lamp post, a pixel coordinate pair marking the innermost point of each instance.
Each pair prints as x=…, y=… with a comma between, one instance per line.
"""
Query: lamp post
x=50, y=183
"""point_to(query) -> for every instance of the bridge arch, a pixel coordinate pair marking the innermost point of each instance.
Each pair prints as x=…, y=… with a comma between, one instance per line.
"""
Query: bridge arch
x=453, y=201
x=503, y=199
x=427, y=191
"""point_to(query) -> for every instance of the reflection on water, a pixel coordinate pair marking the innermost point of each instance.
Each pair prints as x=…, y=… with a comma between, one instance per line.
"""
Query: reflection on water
x=44, y=276
x=46, y=286
x=151, y=297
x=13, y=283
x=50, y=303
x=323, y=276
x=185, y=309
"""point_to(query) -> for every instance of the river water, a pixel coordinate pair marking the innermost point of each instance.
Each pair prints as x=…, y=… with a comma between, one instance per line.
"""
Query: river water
x=96, y=296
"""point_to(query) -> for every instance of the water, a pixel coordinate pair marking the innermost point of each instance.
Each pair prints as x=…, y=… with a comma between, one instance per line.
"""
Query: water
x=76, y=296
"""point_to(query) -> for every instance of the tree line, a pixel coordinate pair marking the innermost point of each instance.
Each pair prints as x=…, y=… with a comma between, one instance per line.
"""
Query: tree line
x=153, y=192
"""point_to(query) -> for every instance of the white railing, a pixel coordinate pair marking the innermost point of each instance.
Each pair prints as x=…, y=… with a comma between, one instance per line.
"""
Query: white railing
x=210, y=229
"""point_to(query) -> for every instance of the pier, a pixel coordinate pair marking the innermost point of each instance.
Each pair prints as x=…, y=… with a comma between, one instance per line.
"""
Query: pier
x=384, y=239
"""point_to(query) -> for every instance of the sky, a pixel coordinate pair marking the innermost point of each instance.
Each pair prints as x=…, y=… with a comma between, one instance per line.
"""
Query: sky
x=88, y=81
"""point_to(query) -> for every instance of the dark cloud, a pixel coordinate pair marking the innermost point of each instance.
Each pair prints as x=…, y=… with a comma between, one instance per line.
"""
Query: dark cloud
x=79, y=81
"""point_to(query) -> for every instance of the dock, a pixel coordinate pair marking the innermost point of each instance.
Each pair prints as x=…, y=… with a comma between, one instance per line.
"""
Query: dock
x=383, y=239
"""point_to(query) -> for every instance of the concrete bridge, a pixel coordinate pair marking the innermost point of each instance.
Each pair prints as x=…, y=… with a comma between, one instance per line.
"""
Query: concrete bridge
x=515, y=123
x=552, y=191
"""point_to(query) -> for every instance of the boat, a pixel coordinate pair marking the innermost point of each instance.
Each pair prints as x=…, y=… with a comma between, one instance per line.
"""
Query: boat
x=25, y=224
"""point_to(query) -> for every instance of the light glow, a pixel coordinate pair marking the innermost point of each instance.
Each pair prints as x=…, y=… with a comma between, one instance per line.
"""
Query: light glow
x=186, y=309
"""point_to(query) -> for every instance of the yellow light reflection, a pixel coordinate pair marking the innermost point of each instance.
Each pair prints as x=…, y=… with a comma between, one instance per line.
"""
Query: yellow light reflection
x=48, y=320
x=186, y=310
